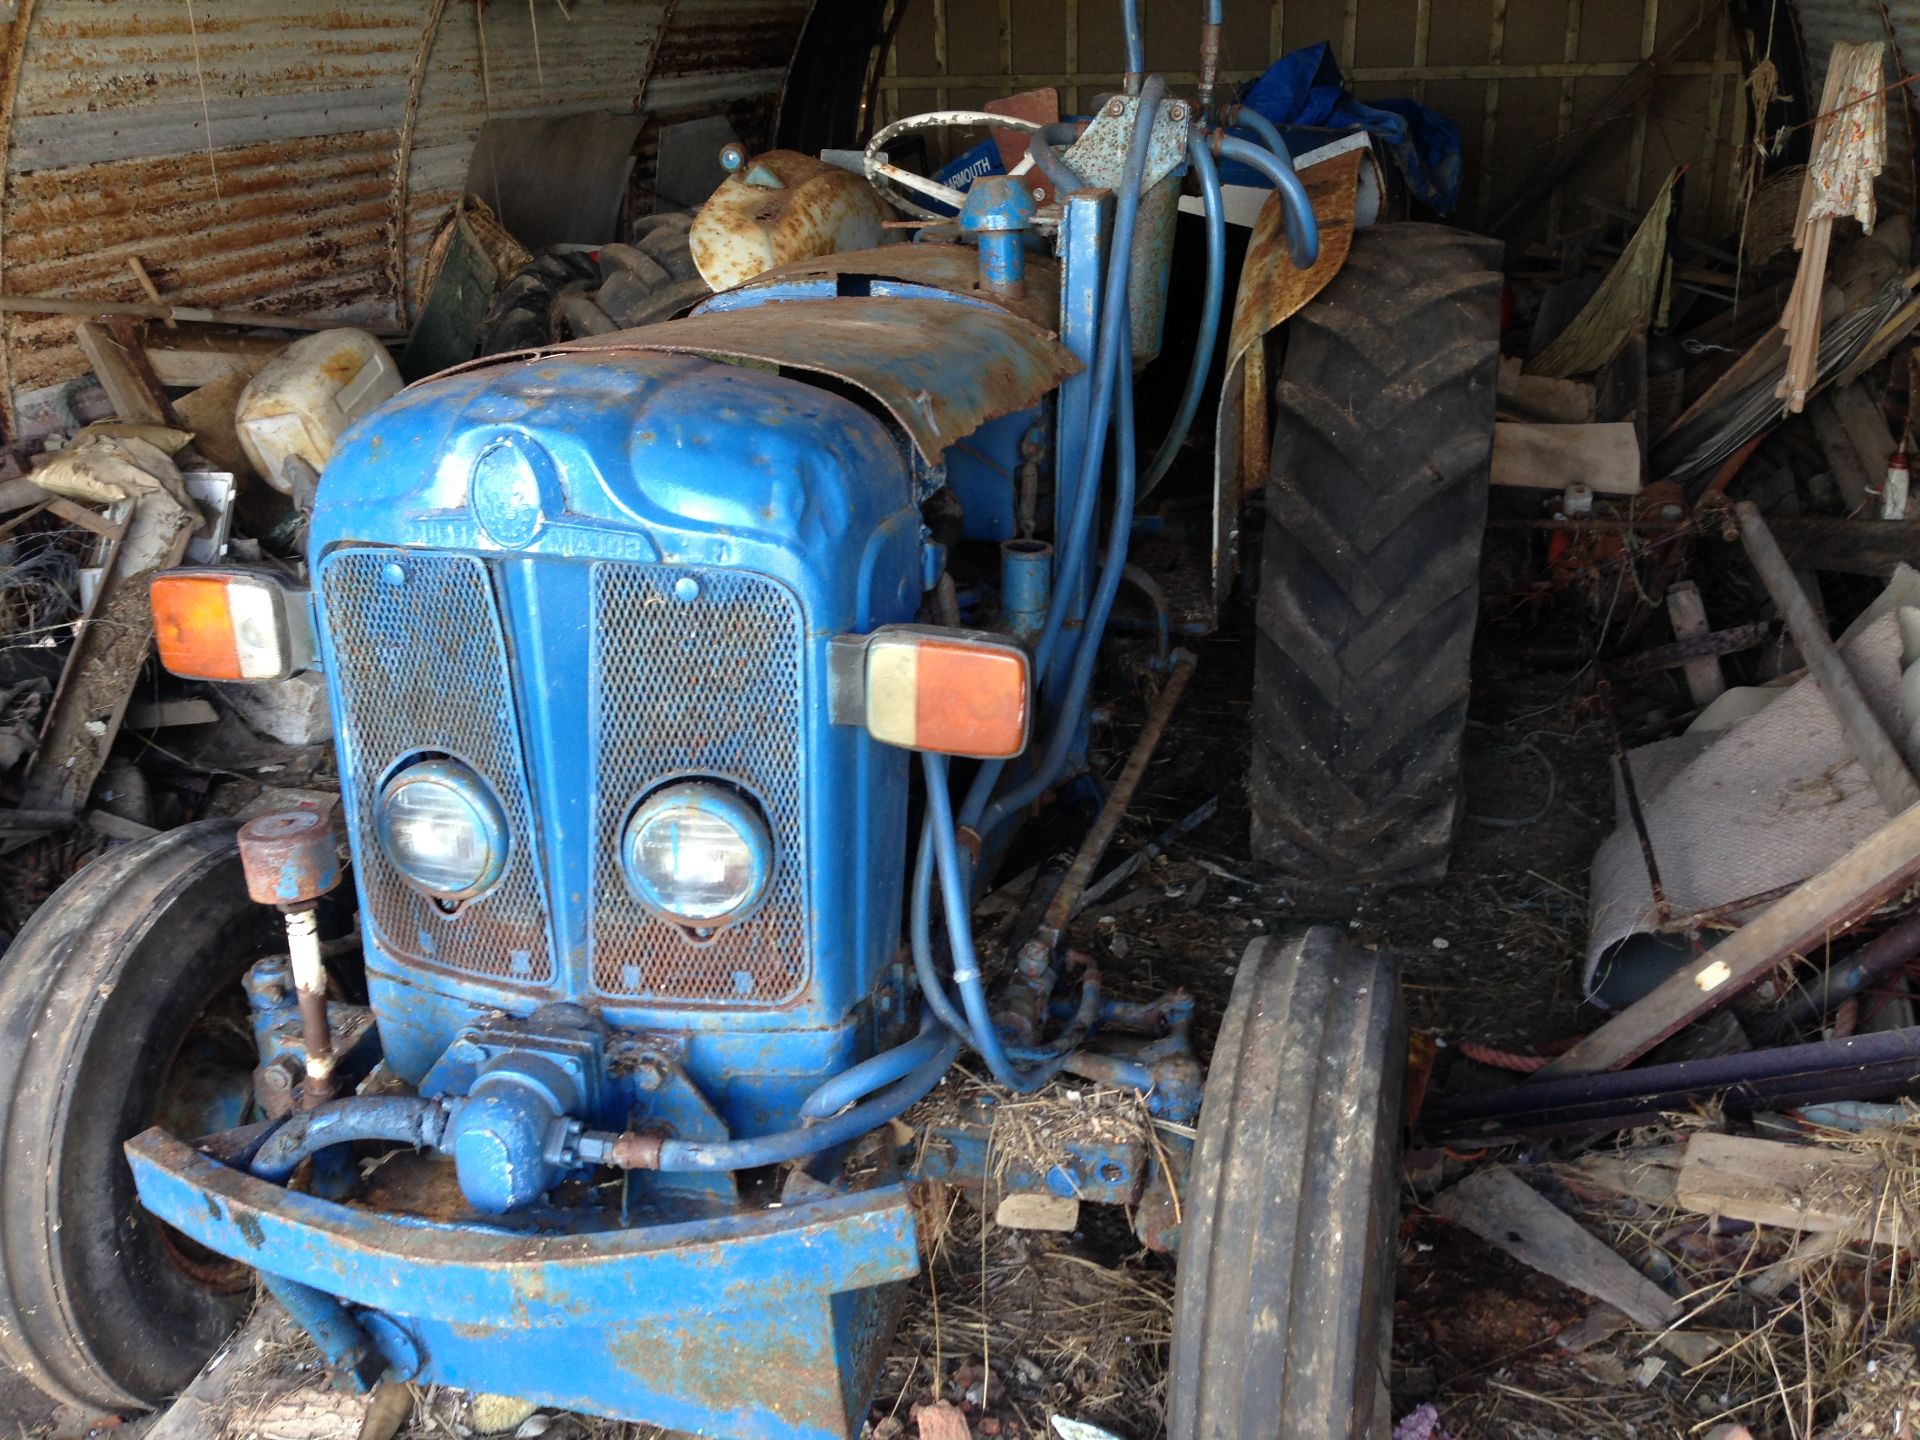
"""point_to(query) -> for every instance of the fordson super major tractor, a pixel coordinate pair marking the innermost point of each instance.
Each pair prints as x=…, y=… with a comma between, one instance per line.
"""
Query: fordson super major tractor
x=689, y=682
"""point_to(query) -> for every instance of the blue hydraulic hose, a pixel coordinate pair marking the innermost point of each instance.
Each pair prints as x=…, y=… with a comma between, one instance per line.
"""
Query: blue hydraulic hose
x=1048, y=161
x=399, y=1118
x=920, y=939
x=1109, y=358
x=786, y=1146
x=1216, y=216
x=1245, y=117
x=859, y=1081
x=1303, y=231
x=957, y=903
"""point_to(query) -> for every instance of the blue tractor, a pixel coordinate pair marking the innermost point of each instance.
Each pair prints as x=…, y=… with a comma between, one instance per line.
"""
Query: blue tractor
x=689, y=684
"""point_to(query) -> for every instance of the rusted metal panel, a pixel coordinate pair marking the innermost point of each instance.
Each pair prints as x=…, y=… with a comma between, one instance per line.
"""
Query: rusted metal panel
x=901, y=352
x=296, y=154
x=954, y=268
x=672, y=60
x=1270, y=290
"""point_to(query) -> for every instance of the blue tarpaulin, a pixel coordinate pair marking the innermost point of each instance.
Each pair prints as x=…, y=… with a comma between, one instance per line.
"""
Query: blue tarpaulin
x=1306, y=88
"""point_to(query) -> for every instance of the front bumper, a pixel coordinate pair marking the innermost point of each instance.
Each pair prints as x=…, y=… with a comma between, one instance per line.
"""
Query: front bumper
x=760, y=1326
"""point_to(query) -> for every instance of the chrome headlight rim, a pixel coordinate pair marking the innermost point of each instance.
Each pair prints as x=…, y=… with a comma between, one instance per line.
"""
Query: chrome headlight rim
x=464, y=781
x=743, y=812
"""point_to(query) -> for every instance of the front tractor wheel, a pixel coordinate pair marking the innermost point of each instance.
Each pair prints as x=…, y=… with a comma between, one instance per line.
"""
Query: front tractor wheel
x=1369, y=573
x=120, y=1008
x=1283, y=1304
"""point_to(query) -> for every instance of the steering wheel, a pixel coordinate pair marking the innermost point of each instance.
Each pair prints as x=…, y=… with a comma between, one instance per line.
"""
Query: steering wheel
x=885, y=176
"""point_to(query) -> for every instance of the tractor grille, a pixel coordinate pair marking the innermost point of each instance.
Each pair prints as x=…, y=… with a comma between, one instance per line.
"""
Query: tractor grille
x=422, y=666
x=706, y=684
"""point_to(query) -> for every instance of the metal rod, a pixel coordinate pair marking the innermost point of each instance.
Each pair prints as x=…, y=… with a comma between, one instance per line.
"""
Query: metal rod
x=1858, y=1067
x=1060, y=911
x=310, y=985
x=1892, y=780
x=57, y=305
x=1880, y=957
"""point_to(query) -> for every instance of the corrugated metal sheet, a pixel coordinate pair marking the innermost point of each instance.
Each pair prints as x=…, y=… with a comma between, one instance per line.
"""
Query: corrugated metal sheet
x=1823, y=23
x=504, y=60
x=311, y=109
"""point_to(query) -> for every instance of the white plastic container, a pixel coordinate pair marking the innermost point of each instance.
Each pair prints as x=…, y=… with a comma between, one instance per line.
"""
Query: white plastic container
x=298, y=404
x=780, y=207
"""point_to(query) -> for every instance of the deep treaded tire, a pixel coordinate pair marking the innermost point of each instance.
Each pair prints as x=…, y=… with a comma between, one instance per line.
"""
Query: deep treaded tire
x=1376, y=500
x=98, y=1308
x=1283, y=1304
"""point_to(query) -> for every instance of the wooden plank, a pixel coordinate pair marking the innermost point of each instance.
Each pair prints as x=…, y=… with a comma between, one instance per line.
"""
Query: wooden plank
x=105, y=661
x=117, y=827
x=166, y=714
x=188, y=359
x=1552, y=457
x=1023, y=1210
x=74, y=513
x=1873, y=871
x=1857, y=545
x=1542, y=397
x=1866, y=427
x=1843, y=460
x=1816, y=1188
x=127, y=391
x=1510, y=1215
x=1688, y=612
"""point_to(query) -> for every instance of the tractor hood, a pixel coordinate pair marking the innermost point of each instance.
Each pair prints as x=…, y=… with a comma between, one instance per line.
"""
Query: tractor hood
x=693, y=460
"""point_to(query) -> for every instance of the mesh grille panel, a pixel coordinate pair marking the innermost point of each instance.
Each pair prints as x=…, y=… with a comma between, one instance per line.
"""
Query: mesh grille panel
x=423, y=666
x=704, y=686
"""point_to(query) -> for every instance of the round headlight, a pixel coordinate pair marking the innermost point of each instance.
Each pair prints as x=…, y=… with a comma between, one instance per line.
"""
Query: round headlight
x=442, y=828
x=697, y=852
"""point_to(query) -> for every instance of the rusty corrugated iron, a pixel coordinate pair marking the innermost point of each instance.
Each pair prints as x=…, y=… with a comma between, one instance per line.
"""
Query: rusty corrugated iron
x=340, y=132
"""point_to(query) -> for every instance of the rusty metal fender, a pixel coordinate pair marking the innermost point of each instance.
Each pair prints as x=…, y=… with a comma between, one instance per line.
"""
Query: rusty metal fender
x=1270, y=291
x=941, y=369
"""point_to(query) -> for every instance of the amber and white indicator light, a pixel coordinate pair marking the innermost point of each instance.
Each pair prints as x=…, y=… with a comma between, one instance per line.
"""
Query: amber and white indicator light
x=956, y=692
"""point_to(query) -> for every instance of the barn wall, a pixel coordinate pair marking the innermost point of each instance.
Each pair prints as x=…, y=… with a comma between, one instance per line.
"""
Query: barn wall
x=1518, y=76
x=294, y=155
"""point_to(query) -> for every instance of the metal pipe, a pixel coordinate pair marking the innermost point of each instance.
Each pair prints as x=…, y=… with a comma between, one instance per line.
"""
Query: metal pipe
x=1136, y=44
x=1026, y=583
x=55, y=305
x=341, y=1338
x=1303, y=230
x=1880, y=1063
x=310, y=986
x=400, y=1118
x=1873, y=962
x=1065, y=899
x=1892, y=780
x=1213, y=207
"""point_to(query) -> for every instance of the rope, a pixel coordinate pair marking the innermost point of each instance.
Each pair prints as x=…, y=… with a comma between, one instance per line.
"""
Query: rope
x=1514, y=1060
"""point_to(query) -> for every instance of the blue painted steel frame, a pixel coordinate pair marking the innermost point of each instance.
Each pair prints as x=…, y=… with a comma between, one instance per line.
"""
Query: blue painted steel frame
x=761, y=1326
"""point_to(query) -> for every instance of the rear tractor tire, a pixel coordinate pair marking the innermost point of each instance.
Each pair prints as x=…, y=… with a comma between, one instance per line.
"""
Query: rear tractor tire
x=1283, y=1302
x=120, y=1008
x=1369, y=573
